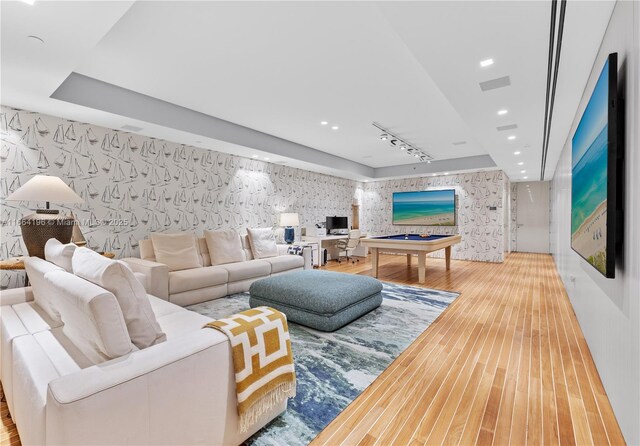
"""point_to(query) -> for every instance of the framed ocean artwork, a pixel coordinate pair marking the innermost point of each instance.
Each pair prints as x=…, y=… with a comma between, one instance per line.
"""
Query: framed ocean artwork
x=425, y=208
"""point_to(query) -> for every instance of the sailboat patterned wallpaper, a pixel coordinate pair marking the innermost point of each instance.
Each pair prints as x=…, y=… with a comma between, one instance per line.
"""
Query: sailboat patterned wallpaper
x=482, y=229
x=133, y=185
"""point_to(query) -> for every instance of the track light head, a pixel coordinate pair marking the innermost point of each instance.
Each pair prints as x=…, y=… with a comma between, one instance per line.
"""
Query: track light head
x=393, y=142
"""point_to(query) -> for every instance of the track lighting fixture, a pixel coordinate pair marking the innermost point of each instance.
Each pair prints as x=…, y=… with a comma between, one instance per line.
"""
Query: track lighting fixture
x=402, y=144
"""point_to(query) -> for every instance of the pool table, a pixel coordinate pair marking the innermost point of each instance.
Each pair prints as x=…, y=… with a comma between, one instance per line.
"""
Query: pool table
x=410, y=244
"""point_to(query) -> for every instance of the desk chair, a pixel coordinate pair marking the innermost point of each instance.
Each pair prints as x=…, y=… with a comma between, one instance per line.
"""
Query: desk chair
x=348, y=245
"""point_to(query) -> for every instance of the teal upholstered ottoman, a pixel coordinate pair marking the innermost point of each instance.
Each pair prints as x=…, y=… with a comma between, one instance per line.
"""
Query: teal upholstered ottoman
x=322, y=300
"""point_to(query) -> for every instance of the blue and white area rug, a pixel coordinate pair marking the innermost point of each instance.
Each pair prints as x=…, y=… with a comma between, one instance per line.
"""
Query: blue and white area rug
x=334, y=368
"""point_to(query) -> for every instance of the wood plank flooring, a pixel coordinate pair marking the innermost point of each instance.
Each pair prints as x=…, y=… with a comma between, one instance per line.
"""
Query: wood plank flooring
x=506, y=363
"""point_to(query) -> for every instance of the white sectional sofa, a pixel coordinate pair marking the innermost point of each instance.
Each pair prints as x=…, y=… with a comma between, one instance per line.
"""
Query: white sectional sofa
x=179, y=391
x=207, y=282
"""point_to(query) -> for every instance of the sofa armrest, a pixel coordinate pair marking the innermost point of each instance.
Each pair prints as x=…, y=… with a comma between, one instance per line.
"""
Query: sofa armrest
x=140, y=398
x=14, y=296
x=306, y=254
x=156, y=274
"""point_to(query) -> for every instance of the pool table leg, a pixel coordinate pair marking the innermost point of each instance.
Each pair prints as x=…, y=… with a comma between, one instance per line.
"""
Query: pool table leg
x=409, y=259
x=374, y=262
x=422, y=262
x=447, y=256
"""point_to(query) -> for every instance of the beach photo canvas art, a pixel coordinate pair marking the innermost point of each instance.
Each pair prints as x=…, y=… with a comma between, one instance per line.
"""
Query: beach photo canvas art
x=590, y=175
x=428, y=208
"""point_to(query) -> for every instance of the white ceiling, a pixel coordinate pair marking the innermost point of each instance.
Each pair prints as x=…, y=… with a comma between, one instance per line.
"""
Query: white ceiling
x=282, y=67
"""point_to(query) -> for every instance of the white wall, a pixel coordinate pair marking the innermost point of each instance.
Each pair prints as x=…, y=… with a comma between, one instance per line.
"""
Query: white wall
x=609, y=310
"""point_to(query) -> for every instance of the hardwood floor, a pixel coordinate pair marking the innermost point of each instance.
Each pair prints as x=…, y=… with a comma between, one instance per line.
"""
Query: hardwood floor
x=506, y=363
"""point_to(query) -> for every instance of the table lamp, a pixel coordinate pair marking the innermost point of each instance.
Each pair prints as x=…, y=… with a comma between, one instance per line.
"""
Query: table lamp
x=45, y=223
x=289, y=220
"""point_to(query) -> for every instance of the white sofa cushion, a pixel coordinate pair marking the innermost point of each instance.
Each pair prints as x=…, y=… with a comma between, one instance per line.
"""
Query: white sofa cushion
x=92, y=317
x=177, y=251
x=247, y=270
x=196, y=278
x=285, y=263
x=263, y=243
x=224, y=246
x=117, y=277
x=59, y=254
x=36, y=268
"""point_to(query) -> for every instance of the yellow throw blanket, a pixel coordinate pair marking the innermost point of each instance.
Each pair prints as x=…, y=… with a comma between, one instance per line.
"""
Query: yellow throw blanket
x=262, y=360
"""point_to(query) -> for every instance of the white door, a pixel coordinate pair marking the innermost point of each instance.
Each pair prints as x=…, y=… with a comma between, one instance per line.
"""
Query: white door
x=532, y=216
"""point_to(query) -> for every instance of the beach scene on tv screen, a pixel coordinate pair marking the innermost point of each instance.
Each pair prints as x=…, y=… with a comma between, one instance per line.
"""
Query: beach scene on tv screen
x=428, y=208
x=589, y=178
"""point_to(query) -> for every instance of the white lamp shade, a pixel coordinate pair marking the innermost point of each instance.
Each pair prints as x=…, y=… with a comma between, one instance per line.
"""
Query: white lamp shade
x=45, y=188
x=289, y=219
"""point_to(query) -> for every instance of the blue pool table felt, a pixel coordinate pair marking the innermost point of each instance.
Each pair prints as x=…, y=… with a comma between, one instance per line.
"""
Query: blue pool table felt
x=415, y=237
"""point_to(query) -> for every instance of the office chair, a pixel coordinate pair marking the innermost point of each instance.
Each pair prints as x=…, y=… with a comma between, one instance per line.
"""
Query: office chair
x=348, y=245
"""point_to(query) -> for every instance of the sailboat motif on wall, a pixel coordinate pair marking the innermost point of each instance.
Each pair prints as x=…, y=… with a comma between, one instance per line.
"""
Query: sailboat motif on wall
x=58, y=136
x=115, y=142
x=125, y=203
x=176, y=174
x=41, y=127
x=167, y=221
x=125, y=153
x=145, y=171
x=133, y=220
x=20, y=163
x=70, y=134
x=81, y=147
x=167, y=176
x=132, y=240
x=176, y=156
x=74, y=170
x=144, y=152
x=43, y=162
x=91, y=189
x=15, y=124
x=93, y=167
x=106, y=167
x=155, y=223
x=4, y=187
x=132, y=144
x=16, y=249
x=166, y=150
x=106, y=143
x=115, y=192
x=152, y=147
x=145, y=218
x=133, y=172
x=133, y=193
x=106, y=195
x=91, y=137
x=4, y=151
x=160, y=160
x=15, y=185
x=60, y=160
x=184, y=181
x=161, y=206
x=152, y=194
x=30, y=138
x=155, y=178
x=118, y=174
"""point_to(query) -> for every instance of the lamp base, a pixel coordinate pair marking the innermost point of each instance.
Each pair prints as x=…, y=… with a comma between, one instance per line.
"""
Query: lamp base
x=289, y=235
x=39, y=227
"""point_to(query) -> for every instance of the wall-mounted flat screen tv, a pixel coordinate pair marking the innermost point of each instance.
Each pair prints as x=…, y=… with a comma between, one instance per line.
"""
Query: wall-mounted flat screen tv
x=425, y=208
x=594, y=170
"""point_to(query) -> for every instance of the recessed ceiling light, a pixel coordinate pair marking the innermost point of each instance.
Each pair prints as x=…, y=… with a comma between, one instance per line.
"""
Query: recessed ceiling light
x=520, y=163
x=402, y=147
x=28, y=2
x=366, y=181
x=524, y=178
x=254, y=156
x=335, y=127
x=446, y=173
x=428, y=161
x=517, y=152
x=512, y=137
x=503, y=112
x=485, y=63
x=523, y=171
x=435, y=174
x=323, y=123
x=266, y=158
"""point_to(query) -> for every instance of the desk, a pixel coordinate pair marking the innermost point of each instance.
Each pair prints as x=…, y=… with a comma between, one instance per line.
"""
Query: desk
x=327, y=242
x=410, y=244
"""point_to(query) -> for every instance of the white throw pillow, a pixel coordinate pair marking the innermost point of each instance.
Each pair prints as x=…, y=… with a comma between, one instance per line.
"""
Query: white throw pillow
x=177, y=251
x=59, y=254
x=224, y=246
x=117, y=278
x=263, y=243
